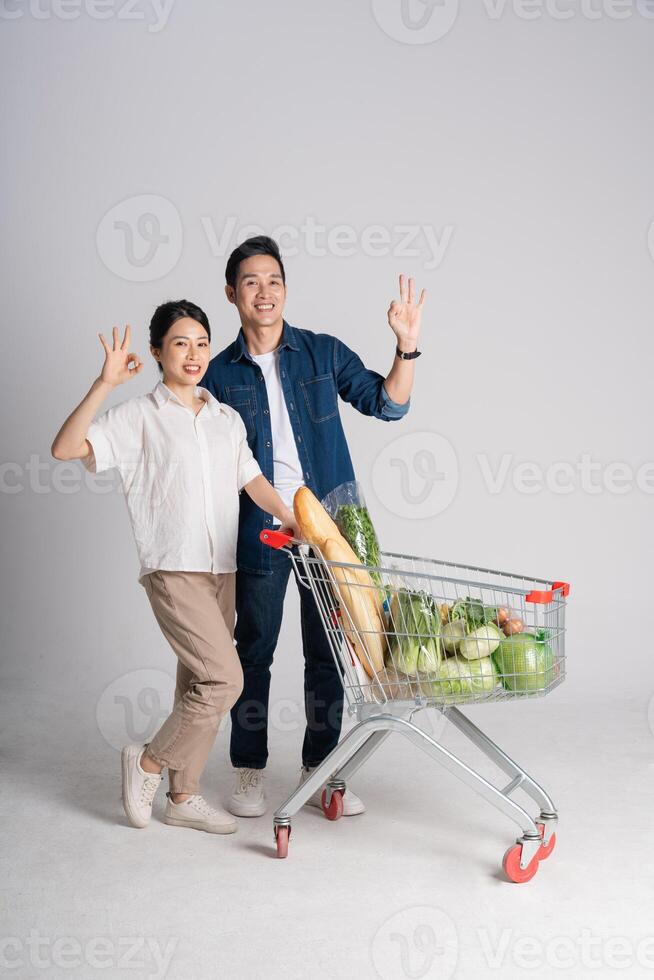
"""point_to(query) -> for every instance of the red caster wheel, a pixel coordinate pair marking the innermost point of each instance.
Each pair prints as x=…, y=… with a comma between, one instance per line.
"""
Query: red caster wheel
x=335, y=809
x=546, y=850
x=282, y=835
x=511, y=865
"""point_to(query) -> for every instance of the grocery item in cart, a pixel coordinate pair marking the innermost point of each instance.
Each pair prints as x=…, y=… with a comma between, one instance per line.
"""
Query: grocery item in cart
x=461, y=680
x=525, y=662
x=415, y=626
x=316, y=527
x=314, y=522
x=361, y=621
x=347, y=505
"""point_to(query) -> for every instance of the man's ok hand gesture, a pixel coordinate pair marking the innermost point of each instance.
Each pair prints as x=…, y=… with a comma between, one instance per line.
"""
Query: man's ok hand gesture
x=116, y=367
x=405, y=316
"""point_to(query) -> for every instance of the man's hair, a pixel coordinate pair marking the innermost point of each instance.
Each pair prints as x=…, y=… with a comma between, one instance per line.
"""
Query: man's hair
x=260, y=245
x=168, y=313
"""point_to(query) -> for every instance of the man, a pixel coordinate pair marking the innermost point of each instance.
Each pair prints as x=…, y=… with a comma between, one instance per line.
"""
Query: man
x=285, y=384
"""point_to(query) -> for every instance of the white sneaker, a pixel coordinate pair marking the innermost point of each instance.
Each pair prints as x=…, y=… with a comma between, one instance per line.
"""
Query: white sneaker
x=248, y=798
x=139, y=786
x=351, y=802
x=196, y=813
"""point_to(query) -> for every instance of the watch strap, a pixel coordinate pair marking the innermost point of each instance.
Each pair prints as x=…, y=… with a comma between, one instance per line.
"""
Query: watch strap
x=407, y=355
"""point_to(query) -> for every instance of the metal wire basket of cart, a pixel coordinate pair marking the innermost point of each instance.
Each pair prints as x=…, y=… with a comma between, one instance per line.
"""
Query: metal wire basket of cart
x=416, y=633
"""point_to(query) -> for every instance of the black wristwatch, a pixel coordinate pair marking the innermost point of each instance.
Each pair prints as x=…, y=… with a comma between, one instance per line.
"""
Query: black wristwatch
x=404, y=356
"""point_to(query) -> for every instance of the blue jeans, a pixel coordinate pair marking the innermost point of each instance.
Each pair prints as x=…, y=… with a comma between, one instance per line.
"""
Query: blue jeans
x=259, y=608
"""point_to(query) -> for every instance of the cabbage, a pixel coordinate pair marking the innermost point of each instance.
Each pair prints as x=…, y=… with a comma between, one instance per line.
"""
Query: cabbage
x=415, y=624
x=481, y=642
x=525, y=662
x=462, y=679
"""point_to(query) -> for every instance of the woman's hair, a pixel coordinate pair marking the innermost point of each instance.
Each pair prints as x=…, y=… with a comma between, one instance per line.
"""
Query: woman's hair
x=261, y=245
x=168, y=313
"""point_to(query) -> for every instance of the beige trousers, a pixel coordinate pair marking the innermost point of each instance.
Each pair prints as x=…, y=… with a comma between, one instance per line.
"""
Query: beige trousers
x=196, y=613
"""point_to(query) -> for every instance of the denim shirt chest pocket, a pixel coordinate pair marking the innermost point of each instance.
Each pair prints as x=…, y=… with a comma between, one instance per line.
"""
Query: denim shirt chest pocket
x=243, y=398
x=321, y=397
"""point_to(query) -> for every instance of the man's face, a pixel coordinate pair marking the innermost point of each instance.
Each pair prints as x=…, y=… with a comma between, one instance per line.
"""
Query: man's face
x=260, y=292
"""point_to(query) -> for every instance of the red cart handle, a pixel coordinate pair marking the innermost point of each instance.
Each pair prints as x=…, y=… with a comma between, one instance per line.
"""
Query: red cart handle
x=548, y=596
x=275, y=539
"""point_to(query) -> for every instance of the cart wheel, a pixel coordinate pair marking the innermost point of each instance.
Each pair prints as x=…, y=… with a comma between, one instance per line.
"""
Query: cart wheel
x=545, y=851
x=335, y=809
x=511, y=865
x=282, y=835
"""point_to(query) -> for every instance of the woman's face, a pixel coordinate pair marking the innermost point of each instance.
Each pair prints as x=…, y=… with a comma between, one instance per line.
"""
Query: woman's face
x=184, y=353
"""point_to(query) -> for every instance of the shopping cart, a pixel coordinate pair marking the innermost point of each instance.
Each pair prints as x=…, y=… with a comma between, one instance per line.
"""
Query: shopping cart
x=413, y=607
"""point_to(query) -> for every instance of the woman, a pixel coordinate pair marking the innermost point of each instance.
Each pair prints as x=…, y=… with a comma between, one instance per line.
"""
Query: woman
x=183, y=458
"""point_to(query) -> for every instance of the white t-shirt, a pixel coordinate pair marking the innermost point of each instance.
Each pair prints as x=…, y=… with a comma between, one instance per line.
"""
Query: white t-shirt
x=181, y=473
x=287, y=469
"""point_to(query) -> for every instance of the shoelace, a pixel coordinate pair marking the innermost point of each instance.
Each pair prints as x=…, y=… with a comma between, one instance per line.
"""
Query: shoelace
x=200, y=804
x=247, y=778
x=149, y=788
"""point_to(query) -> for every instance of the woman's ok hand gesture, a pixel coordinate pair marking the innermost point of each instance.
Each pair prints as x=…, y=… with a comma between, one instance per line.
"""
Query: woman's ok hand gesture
x=116, y=367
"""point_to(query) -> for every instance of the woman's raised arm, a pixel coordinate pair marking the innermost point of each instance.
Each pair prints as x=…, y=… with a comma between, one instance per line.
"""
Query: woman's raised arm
x=70, y=442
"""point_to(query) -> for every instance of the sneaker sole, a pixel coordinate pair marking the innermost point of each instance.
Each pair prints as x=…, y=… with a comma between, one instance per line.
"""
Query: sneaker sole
x=173, y=822
x=125, y=762
x=243, y=810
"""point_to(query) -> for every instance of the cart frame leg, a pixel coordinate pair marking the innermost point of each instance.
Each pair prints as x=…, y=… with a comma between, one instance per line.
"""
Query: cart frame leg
x=336, y=761
x=519, y=778
x=362, y=754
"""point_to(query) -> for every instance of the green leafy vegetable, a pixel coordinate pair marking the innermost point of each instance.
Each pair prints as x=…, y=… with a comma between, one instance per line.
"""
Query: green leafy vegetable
x=415, y=624
x=461, y=680
x=355, y=524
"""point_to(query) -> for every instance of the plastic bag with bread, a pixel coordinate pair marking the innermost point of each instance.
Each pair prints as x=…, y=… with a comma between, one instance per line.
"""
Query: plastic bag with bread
x=362, y=620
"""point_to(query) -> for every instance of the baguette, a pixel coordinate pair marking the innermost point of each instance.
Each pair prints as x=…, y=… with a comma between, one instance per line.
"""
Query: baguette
x=368, y=633
x=314, y=522
x=316, y=527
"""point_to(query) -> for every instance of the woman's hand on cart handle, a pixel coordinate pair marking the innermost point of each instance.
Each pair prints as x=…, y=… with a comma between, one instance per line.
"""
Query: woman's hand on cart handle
x=116, y=368
x=290, y=524
x=276, y=539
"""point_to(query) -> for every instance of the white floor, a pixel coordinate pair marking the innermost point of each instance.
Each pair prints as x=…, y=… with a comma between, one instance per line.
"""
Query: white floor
x=412, y=888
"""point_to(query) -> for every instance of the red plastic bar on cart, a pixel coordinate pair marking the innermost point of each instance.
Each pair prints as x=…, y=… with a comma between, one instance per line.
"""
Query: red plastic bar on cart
x=275, y=539
x=548, y=596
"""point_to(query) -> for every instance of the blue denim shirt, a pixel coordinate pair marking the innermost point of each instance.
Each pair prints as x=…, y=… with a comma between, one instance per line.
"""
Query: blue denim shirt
x=315, y=368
